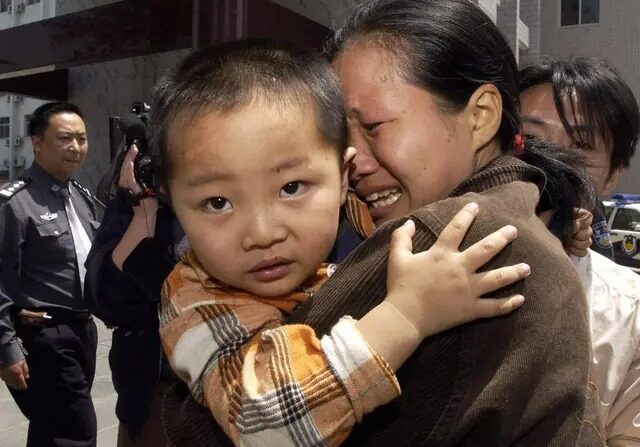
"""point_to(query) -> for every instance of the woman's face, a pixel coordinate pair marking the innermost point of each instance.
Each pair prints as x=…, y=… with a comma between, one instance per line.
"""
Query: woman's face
x=410, y=151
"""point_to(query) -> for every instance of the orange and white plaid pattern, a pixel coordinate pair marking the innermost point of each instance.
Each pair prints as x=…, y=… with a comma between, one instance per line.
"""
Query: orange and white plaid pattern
x=267, y=383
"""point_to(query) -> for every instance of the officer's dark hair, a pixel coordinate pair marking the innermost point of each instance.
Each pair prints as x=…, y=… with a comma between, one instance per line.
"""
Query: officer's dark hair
x=450, y=48
x=230, y=76
x=604, y=102
x=567, y=185
x=40, y=117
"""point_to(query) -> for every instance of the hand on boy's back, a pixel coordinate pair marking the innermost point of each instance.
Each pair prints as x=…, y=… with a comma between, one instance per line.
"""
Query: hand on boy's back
x=450, y=294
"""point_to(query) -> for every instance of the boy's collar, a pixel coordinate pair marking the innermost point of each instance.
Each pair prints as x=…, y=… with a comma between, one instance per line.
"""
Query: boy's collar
x=357, y=213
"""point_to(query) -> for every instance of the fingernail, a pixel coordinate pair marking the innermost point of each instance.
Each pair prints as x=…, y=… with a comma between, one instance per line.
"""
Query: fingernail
x=473, y=207
x=510, y=231
x=407, y=222
x=525, y=268
x=513, y=303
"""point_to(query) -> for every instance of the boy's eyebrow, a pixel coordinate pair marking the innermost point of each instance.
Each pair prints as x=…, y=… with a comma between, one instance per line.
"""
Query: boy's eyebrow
x=209, y=177
x=289, y=163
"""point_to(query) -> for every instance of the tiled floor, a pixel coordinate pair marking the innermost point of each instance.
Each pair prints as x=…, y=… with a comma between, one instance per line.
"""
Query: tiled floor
x=13, y=426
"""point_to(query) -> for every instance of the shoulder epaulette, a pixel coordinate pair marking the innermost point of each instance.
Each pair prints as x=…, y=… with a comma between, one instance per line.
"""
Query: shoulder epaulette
x=11, y=188
x=84, y=190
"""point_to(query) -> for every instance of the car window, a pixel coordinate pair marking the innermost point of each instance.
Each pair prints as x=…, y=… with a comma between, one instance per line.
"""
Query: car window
x=626, y=219
x=607, y=212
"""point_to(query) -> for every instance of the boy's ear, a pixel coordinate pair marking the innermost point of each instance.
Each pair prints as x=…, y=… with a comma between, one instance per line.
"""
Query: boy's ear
x=349, y=155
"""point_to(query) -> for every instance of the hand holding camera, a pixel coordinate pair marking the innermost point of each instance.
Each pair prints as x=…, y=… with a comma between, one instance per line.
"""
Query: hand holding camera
x=137, y=195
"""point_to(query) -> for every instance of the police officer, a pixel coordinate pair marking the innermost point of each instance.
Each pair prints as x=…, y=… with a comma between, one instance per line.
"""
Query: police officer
x=48, y=339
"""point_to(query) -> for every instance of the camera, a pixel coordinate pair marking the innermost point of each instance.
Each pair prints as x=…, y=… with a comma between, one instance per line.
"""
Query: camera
x=134, y=127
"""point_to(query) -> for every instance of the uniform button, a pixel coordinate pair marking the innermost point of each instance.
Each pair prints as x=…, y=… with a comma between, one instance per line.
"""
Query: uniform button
x=56, y=232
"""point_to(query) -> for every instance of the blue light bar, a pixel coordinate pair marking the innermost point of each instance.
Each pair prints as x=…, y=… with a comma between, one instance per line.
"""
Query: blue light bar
x=626, y=198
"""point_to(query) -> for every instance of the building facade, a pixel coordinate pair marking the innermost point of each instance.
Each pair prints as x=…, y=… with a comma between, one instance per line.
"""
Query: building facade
x=107, y=88
x=606, y=29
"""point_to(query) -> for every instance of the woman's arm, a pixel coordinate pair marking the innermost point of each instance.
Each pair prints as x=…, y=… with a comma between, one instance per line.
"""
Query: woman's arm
x=143, y=222
x=126, y=266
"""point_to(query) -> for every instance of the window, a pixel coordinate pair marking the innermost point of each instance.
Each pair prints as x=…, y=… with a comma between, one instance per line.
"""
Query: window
x=4, y=126
x=626, y=219
x=607, y=210
x=579, y=12
x=5, y=4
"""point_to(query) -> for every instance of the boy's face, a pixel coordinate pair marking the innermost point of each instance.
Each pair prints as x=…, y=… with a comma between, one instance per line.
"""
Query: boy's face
x=258, y=193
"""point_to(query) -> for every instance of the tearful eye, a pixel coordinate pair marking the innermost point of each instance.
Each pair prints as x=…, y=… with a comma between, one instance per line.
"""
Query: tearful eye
x=291, y=189
x=217, y=204
x=371, y=127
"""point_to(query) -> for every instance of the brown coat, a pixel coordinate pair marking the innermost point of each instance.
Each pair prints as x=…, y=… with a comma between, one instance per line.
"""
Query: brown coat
x=519, y=380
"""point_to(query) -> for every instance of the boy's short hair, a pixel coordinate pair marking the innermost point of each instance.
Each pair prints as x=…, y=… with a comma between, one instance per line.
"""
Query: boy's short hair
x=230, y=76
x=39, y=120
x=605, y=102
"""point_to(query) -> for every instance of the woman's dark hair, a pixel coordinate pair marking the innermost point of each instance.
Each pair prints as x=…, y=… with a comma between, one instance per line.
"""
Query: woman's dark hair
x=447, y=47
x=598, y=95
x=450, y=48
x=230, y=76
x=40, y=117
x=567, y=185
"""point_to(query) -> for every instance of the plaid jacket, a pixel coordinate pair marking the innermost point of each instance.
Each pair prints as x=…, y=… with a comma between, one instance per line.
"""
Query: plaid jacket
x=264, y=382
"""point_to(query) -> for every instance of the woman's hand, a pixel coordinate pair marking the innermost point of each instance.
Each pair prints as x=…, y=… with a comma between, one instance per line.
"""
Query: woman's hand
x=581, y=233
x=143, y=223
x=148, y=206
x=440, y=288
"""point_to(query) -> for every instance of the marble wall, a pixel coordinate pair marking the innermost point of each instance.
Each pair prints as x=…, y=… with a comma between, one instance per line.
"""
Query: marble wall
x=330, y=13
x=108, y=89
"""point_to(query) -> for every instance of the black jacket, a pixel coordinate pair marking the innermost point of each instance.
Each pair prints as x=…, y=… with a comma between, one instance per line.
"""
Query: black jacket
x=129, y=301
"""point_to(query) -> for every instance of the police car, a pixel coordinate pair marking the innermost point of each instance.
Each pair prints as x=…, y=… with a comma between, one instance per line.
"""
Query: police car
x=623, y=216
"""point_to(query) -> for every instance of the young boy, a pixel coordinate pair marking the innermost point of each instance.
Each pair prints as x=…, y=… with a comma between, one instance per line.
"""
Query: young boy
x=250, y=144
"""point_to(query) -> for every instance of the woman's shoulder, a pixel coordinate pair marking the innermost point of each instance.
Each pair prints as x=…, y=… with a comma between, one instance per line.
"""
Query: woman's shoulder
x=499, y=205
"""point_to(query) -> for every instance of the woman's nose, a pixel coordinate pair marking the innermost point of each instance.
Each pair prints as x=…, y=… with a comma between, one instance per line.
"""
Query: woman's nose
x=364, y=163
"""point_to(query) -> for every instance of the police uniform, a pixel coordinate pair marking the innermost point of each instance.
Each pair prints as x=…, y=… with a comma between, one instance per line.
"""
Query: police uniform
x=39, y=272
x=601, y=234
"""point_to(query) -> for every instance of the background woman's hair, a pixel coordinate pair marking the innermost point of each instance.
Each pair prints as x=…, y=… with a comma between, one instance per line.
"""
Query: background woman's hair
x=567, y=185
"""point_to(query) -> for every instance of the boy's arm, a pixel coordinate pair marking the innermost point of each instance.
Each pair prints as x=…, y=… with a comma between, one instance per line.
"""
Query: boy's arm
x=264, y=380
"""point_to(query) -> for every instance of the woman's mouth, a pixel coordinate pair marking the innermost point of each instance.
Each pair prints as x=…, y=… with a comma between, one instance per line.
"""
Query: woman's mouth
x=383, y=198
